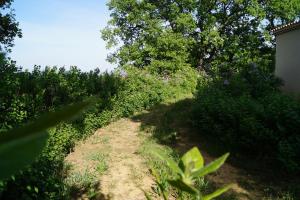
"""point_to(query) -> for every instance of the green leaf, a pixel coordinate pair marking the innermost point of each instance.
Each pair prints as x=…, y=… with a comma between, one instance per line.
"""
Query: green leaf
x=211, y=167
x=19, y=153
x=179, y=184
x=20, y=147
x=218, y=192
x=36, y=189
x=171, y=163
x=191, y=160
x=158, y=182
x=47, y=121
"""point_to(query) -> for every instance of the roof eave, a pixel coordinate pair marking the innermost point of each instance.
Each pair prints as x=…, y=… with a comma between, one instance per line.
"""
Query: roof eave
x=286, y=28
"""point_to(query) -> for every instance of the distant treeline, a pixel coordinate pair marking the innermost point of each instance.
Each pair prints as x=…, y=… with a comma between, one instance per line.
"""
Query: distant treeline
x=25, y=95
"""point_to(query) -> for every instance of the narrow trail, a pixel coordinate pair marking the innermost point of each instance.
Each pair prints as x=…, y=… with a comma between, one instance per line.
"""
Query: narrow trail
x=126, y=171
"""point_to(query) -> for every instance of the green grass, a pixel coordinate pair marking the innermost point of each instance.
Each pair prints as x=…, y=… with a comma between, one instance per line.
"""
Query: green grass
x=81, y=180
x=162, y=170
x=155, y=164
x=97, y=156
x=101, y=167
x=283, y=196
x=101, y=159
x=79, y=183
x=98, y=139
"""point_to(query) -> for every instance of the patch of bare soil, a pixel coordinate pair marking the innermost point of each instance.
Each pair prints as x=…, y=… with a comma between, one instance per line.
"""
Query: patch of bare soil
x=126, y=172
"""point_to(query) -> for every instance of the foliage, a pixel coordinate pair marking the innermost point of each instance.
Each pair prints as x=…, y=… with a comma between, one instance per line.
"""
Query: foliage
x=190, y=167
x=162, y=173
x=21, y=146
x=168, y=35
x=9, y=27
x=251, y=80
x=123, y=96
x=82, y=180
x=247, y=112
x=23, y=94
x=142, y=89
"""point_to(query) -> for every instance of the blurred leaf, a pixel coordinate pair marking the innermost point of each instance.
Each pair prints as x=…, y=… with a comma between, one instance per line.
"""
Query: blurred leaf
x=155, y=174
x=191, y=160
x=159, y=183
x=19, y=153
x=20, y=147
x=211, y=167
x=47, y=121
x=171, y=163
x=217, y=192
x=179, y=184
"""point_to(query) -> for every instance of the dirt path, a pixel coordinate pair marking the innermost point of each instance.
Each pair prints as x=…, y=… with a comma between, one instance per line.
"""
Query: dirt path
x=122, y=172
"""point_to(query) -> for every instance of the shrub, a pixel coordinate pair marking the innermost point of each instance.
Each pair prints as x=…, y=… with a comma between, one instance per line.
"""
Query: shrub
x=249, y=114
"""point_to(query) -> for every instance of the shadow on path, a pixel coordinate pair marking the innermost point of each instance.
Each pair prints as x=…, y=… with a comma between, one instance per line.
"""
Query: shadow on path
x=171, y=125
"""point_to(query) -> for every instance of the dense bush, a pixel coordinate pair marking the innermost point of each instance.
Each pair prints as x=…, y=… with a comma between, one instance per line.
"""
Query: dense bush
x=24, y=95
x=247, y=112
x=135, y=90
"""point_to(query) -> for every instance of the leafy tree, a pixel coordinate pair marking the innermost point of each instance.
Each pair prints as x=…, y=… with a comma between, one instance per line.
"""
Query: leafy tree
x=9, y=27
x=168, y=34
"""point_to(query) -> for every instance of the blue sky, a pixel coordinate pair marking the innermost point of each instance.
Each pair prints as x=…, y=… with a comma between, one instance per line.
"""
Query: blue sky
x=61, y=33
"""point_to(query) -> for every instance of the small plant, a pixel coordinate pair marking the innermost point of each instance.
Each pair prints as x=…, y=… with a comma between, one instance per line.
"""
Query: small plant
x=102, y=167
x=101, y=160
x=284, y=196
x=81, y=180
x=104, y=140
x=188, y=170
x=96, y=156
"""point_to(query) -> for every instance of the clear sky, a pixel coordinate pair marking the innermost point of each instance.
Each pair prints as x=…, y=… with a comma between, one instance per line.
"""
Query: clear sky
x=61, y=33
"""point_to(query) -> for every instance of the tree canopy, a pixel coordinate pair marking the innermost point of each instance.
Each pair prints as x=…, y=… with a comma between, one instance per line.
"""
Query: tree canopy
x=167, y=35
x=9, y=27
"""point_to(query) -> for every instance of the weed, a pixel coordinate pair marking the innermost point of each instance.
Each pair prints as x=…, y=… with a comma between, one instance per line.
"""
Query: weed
x=81, y=180
x=105, y=139
x=101, y=167
x=101, y=160
x=286, y=196
x=97, y=156
x=98, y=139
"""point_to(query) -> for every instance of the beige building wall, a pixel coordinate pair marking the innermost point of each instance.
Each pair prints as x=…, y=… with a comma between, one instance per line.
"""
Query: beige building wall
x=288, y=60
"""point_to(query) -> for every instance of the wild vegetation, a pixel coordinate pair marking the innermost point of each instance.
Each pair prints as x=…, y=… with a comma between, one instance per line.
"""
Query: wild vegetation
x=247, y=113
x=238, y=103
x=220, y=51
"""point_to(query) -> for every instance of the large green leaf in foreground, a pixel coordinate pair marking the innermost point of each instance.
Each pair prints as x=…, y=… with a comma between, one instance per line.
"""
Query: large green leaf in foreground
x=20, y=146
x=218, y=192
